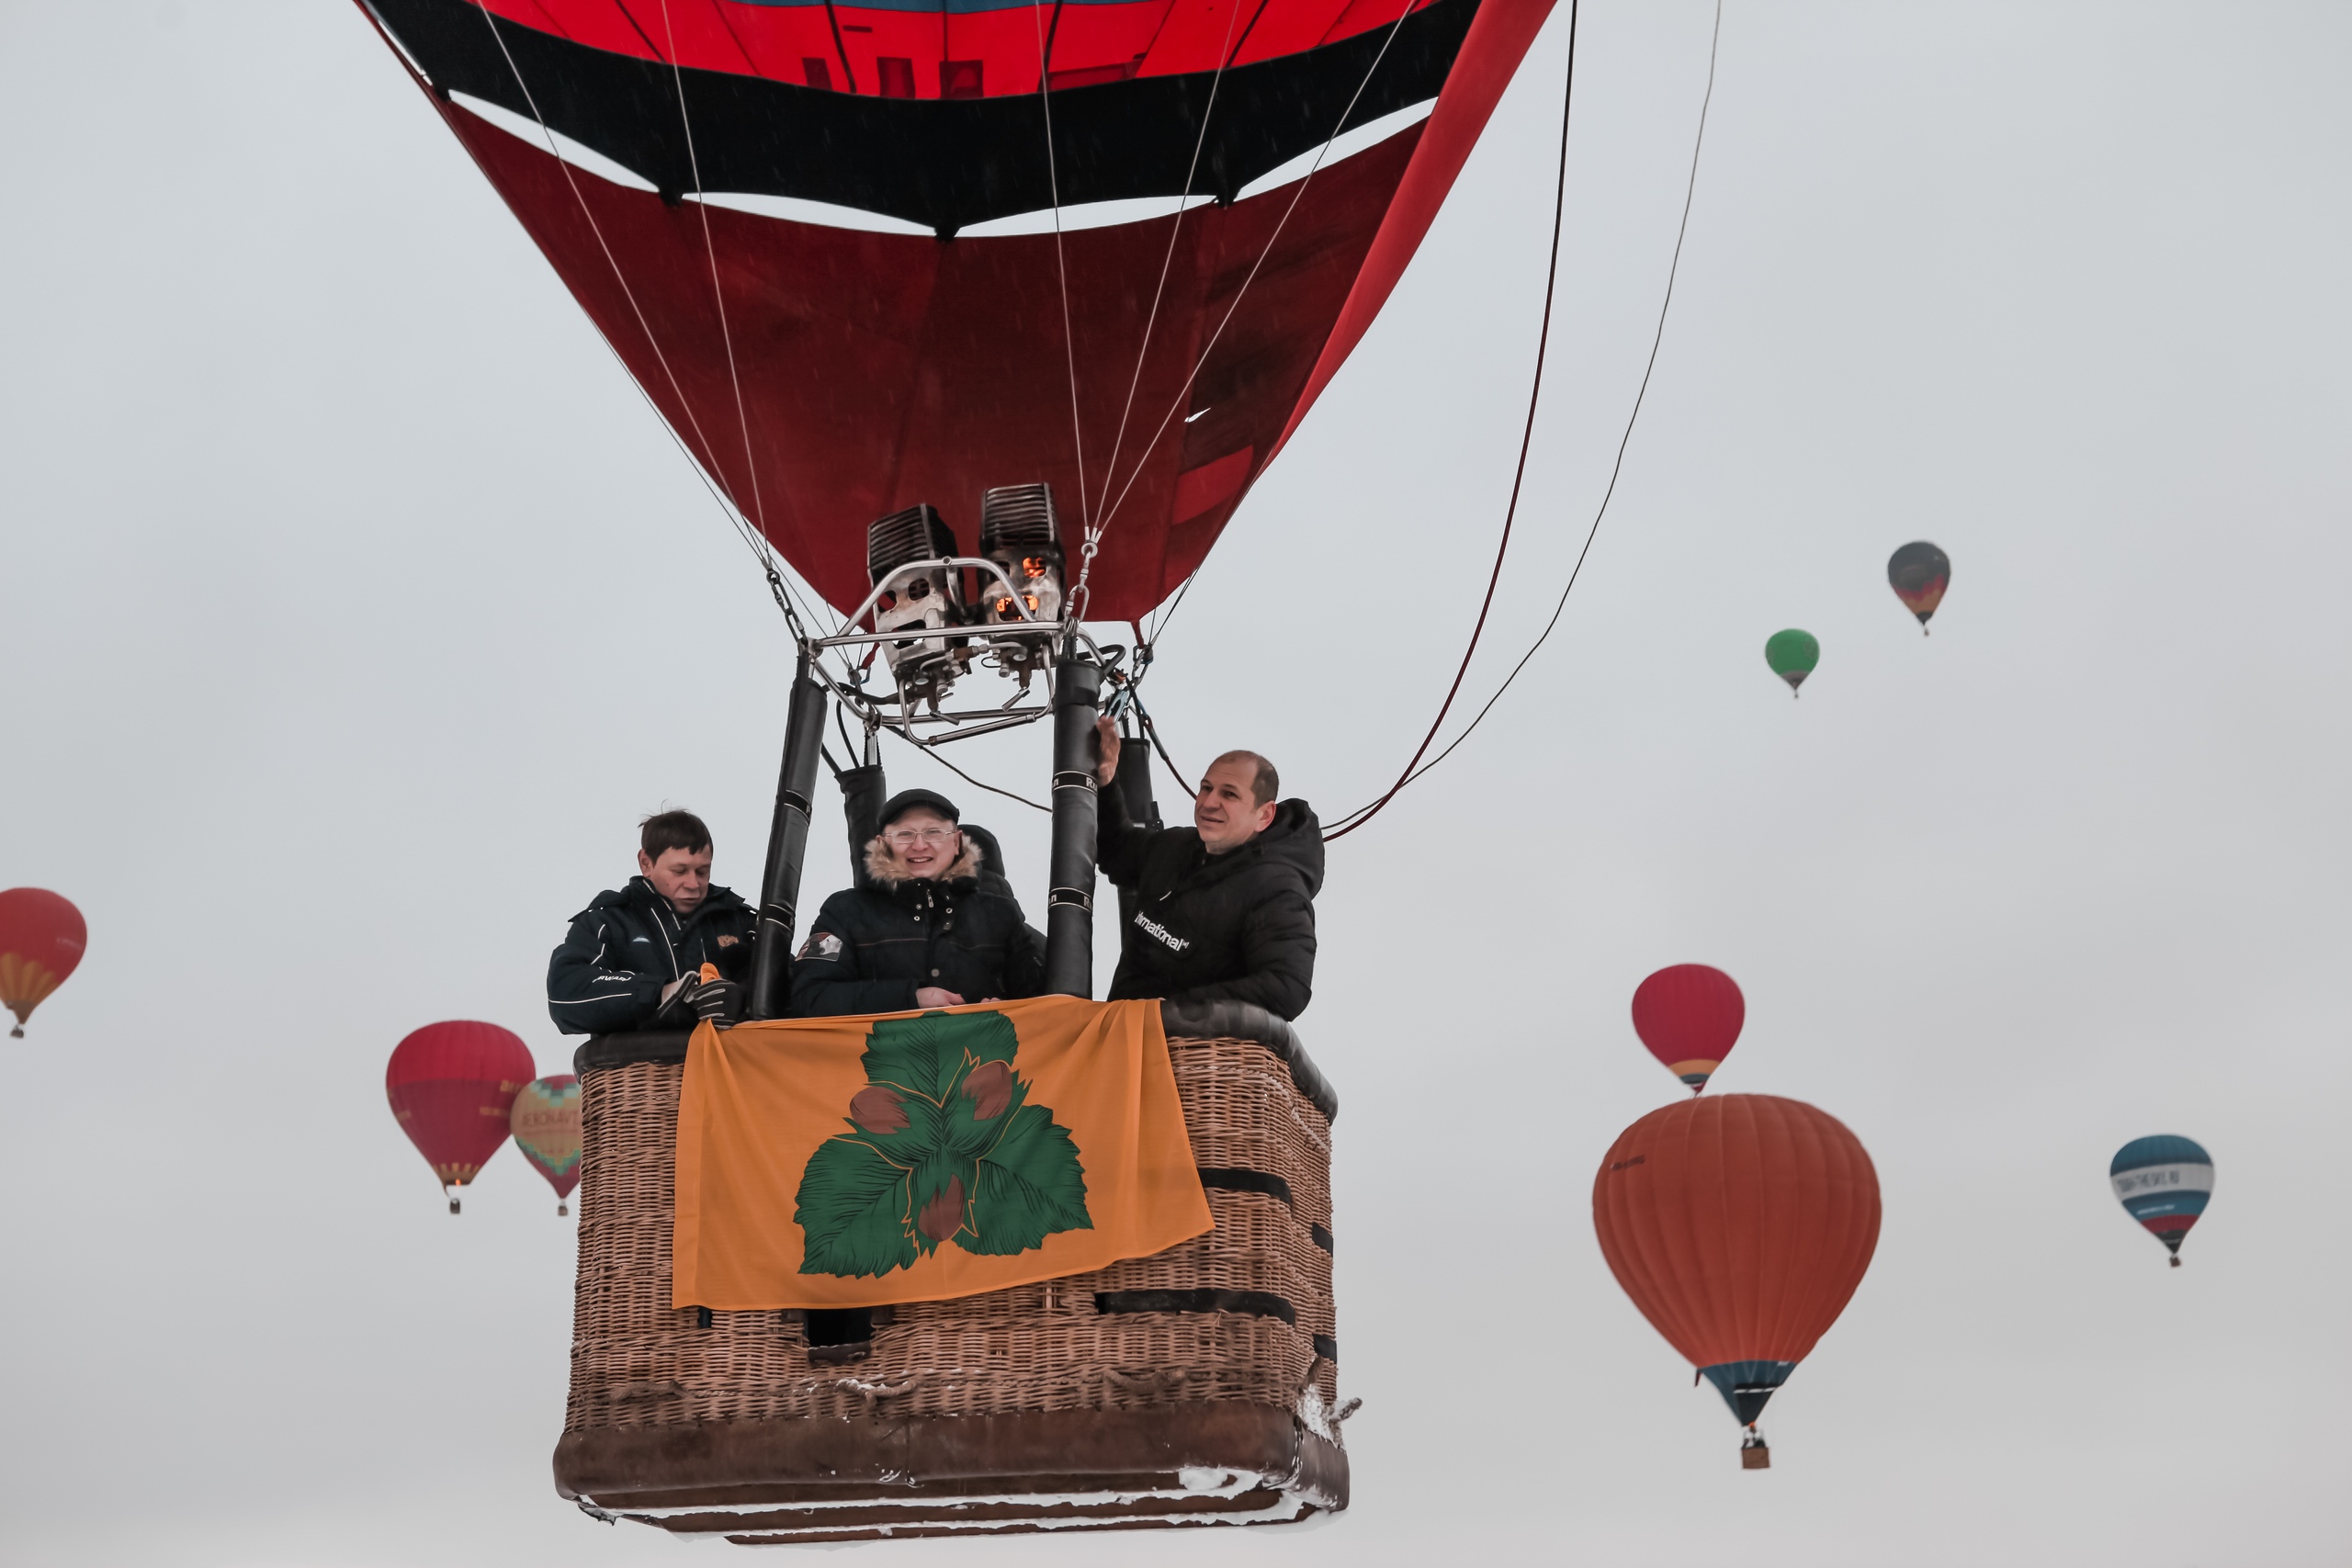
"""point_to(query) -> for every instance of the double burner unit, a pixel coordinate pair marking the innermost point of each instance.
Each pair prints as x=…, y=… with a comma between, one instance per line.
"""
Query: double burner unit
x=934, y=614
x=921, y=582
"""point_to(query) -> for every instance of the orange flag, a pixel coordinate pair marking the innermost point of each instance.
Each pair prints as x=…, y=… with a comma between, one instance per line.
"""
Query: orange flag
x=842, y=1162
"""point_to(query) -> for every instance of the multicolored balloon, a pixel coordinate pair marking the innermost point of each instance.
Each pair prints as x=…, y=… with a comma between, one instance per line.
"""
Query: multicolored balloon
x=1740, y=1227
x=1793, y=654
x=2164, y=1182
x=1690, y=1015
x=545, y=1120
x=1920, y=573
x=452, y=1087
x=41, y=939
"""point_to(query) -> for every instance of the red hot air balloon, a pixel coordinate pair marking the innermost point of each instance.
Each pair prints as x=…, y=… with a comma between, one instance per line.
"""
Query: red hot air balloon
x=1689, y=1017
x=1740, y=1227
x=453, y=1087
x=41, y=939
x=867, y=255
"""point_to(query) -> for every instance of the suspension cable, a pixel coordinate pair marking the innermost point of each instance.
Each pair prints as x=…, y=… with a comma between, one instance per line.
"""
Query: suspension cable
x=1357, y=819
x=1077, y=600
x=1062, y=265
x=1363, y=814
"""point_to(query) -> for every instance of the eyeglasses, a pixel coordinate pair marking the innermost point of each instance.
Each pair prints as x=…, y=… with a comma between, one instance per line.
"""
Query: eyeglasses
x=907, y=837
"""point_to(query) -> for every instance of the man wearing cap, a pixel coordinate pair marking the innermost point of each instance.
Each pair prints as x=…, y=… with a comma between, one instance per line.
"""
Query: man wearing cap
x=922, y=932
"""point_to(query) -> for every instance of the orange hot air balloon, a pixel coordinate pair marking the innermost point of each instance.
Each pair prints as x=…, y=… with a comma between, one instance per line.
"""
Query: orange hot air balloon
x=1740, y=1227
x=41, y=939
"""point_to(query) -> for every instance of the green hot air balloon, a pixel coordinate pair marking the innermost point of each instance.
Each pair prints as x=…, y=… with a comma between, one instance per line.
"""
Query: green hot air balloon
x=1793, y=654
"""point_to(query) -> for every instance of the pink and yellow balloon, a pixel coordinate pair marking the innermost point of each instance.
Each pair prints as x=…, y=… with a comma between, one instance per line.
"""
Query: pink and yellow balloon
x=545, y=1122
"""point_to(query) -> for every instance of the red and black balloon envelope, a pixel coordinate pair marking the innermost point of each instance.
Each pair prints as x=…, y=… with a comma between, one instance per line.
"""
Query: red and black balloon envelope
x=1690, y=1015
x=826, y=373
x=41, y=942
x=1740, y=1225
x=452, y=1088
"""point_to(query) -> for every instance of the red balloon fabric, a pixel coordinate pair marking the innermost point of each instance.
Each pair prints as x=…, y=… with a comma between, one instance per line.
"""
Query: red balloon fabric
x=452, y=1085
x=41, y=940
x=868, y=313
x=1690, y=1015
x=1740, y=1227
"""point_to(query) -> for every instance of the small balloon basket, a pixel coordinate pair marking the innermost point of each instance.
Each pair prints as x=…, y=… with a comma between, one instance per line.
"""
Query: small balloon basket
x=1194, y=1387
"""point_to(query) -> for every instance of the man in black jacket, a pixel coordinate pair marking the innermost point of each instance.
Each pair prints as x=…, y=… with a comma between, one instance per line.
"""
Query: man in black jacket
x=1226, y=907
x=632, y=959
x=922, y=932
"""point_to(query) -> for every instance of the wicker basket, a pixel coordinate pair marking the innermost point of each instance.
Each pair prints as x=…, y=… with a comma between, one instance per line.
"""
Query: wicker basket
x=1195, y=1386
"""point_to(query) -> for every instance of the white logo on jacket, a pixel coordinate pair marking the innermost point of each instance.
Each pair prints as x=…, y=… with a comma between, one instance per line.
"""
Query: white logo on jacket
x=1175, y=943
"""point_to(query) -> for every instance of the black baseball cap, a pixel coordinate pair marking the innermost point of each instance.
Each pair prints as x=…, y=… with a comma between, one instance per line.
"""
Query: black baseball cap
x=908, y=800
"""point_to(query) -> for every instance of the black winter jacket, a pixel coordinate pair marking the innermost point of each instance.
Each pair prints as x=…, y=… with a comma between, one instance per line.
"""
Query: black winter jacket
x=1238, y=926
x=623, y=948
x=870, y=947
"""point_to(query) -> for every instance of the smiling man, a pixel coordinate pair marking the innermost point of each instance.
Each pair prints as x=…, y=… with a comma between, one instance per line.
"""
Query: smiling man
x=632, y=958
x=922, y=932
x=1225, y=909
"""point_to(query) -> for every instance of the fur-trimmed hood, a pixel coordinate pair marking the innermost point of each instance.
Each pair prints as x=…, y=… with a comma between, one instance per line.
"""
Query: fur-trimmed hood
x=884, y=869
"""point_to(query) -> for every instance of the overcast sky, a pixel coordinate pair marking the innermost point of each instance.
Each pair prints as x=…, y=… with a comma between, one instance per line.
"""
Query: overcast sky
x=353, y=607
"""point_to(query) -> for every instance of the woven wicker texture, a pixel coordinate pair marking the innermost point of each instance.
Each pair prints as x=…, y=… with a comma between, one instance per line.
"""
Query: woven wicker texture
x=638, y=1362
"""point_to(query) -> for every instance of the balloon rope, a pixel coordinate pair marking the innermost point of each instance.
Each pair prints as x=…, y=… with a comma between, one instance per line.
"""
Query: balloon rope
x=717, y=294
x=1061, y=274
x=1094, y=532
x=1674, y=270
x=1226, y=52
x=1363, y=814
x=705, y=462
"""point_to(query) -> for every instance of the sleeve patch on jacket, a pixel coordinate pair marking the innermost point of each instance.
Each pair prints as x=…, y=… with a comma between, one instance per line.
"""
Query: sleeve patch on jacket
x=820, y=945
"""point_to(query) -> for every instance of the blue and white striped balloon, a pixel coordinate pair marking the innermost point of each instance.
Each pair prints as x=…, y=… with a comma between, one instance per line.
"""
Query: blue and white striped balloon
x=2164, y=1182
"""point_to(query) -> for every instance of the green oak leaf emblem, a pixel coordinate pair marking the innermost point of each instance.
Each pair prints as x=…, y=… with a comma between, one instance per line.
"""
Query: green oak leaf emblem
x=944, y=1146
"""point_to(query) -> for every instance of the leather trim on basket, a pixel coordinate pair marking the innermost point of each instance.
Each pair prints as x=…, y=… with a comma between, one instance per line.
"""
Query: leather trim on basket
x=1328, y=1347
x=1232, y=1179
x=1256, y=1303
x=790, y=1459
x=626, y=1050
x=1322, y=1237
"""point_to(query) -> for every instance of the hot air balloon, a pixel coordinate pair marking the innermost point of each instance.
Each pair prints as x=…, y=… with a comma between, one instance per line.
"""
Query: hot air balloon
x=1793, y=654
x=1689, y=1017
x=1920, y=573
x=2164, y=1182
x=41, y=939
x=861, y=262
x=452, y=1085
x=546, y=1121
x=1740, y=1227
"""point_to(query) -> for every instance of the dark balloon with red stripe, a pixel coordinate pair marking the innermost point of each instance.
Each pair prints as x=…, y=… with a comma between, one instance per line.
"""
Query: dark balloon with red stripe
x=41, y=942
x=1740, y=1227
x=1689, y=1015
x=826, y=374
x=1920, y=573
x=452, y=1087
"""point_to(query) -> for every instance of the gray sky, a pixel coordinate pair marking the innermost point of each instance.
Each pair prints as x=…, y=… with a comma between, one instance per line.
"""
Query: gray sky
x=353, y=607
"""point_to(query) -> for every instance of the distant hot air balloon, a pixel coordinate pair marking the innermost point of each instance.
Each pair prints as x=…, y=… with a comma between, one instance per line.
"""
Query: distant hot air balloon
x=545, y=1120
x=1793, y=654
x=2164, y=1182
x=1920, y=573
x=1740, y=1227
x=41, y=939
x=453, y=1087
x=1690, y=1015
